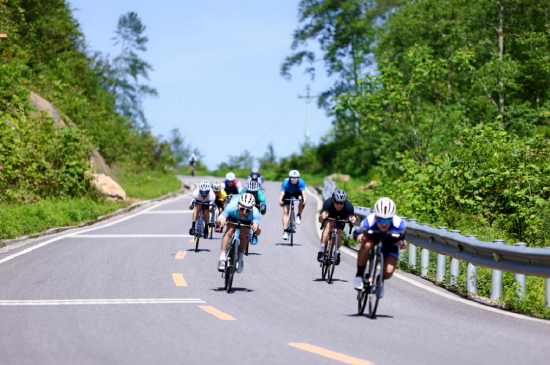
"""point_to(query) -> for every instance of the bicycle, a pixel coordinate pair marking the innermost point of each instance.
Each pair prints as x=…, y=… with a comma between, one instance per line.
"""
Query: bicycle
x=231, y=260
x=251, y=234
x=373, y=279
x=291, y=228
x=212, y=223
x=331, y=249
x=199, y=226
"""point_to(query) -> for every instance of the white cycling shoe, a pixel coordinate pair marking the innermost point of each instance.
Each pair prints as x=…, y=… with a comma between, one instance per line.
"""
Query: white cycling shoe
x=240, y=266
x=298, y=220
x=358, y=283
x=285, y=235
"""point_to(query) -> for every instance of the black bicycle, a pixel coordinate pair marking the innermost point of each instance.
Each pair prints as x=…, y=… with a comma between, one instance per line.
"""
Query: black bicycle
x=331, y=249
x=373, y=278
x=199, y=226
x=291, y=227
x=251, y=234
x=232, y=255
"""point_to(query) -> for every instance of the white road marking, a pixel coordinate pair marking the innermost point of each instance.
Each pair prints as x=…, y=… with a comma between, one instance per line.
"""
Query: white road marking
x=169, y=212
x=132, y=236
x=101, y=301
x=75, y=234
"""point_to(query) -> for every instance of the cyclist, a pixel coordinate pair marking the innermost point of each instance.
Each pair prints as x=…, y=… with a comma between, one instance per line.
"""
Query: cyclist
x=383, y=222
x=242, y=209
x=192, y=162
x=255, y=175
x=293, y=187
x=221, y=197
x=337, y=207
x=202, y=194
x=230, y=185
x=253, y=188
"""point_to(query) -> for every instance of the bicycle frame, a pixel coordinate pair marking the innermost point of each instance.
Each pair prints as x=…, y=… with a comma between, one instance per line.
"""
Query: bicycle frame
x=200, y=223
x=291, y=219
x=231, y=261
x=331, y=249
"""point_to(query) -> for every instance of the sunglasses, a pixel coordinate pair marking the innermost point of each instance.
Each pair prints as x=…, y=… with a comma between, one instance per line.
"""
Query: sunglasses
x=245, y=210
x=384, y=221
x=204, y=192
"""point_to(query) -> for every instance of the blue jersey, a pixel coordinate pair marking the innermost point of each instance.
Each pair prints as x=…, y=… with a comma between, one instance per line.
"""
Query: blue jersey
x=293, y=189
x=232, y=211
x=371, y=229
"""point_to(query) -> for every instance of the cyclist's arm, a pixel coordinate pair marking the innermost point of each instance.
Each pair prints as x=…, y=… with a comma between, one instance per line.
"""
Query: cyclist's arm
x=281, y=195
x=262, y=200
x=304, y=196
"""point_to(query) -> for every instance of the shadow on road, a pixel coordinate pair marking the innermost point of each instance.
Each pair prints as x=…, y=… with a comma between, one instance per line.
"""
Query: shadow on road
x=364, y=315
x=319, y=279
x=287, y=244
x=254, y=253
x=200, y=249
x=234, y=289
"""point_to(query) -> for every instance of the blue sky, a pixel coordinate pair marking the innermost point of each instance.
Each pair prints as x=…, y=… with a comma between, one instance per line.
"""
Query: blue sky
x=217, y=71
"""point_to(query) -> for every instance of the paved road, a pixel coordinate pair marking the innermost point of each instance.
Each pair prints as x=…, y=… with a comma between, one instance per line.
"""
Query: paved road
x=109, y=295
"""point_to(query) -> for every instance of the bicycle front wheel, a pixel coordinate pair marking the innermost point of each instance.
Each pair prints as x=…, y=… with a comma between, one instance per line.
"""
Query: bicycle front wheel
x=324, y=264
x=249, y=238
x=332, y=257
x=230, y=266
x=198, y=232
x=376, y=284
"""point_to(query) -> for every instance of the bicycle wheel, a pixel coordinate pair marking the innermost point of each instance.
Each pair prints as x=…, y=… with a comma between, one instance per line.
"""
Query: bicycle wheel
x=212, y=224
x=324, y=264
x=248, y=238
x=333, y=251
x=230, y=266
x=291, y=225
x=198, y=232
x=376, y=284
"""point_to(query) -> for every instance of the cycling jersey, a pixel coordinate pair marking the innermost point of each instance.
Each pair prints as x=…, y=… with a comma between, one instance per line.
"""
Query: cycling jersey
x=256, y=177
x=233, y=190
x=260, y=198
x=221, y=196
x=347, y=211
x=198, y=197
x=371, y=229
x=287, y=186
x=232, y=212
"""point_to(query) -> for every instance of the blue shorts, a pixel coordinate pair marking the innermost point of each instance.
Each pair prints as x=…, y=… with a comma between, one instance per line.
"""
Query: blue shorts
x=288, y=195
x=391, y=250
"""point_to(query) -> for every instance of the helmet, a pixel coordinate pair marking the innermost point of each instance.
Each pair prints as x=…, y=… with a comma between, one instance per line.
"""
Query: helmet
x=255, y=170
x=384, y=208
x=247, y=200
x=216, y=186
x=230, y=176
x=252, y=186
x=192, y=155
x=294, y=173
x=204, y=186
x=340, y=196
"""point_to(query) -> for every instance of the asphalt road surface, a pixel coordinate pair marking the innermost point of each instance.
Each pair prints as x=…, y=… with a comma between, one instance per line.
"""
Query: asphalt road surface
x=132, y=290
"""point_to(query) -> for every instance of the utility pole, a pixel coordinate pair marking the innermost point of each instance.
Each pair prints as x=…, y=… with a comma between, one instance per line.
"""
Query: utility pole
x=308, y=98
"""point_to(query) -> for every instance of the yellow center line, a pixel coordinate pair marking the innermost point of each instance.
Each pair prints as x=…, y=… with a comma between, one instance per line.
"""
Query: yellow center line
x=331, y=354
x=179, y=280
x=180, y=255
x=213, y=311
x=192, y=239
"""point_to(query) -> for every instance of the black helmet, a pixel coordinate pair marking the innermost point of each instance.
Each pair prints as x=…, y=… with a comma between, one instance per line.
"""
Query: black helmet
x=340, y=196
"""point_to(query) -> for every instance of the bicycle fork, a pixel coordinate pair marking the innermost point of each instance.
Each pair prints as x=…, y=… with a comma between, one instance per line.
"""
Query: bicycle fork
x=235, y=244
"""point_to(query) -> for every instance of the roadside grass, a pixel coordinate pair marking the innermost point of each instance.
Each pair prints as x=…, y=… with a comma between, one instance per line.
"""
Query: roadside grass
x=20, y=220
x=149, y=184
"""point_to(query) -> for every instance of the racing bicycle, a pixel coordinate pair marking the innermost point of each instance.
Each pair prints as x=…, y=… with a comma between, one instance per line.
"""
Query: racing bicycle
x=331, y=249
x=199, y=226
x=373, y=278
x=232, y=255
x=291, y=228
x=212, y=223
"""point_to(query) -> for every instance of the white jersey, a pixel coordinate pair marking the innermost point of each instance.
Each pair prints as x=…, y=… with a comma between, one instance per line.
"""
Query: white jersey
x=209, y=198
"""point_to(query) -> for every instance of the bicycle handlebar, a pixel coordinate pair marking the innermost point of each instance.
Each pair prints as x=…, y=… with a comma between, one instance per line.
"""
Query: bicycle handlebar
x=203, y=203
x=345, y=221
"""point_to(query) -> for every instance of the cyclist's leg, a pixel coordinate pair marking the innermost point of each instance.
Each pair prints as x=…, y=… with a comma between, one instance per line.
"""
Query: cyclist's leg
x=226, y=239
x=391, y=254
x=196, y=212
x=326, y=232
x=286, y=209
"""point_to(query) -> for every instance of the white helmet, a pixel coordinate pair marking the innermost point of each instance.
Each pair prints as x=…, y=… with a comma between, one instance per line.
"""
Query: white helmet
x=192, y=155
x=252, y=186
x=204, y=186
x=255, y=170
x=294, y=173
x=384, y=208
x=230, y=176
x=247, y=200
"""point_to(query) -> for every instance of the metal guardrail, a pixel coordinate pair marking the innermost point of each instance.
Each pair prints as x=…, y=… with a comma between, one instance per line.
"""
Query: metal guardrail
x=517, y=259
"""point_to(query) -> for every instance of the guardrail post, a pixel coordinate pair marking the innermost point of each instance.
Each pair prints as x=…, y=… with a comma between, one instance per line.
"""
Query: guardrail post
x=441, y=268
x=520, y=278
x=547, y=295
x=455, y=265
x=471, y=273
x=496, y=279
x=412, y=249
x=424, y=257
